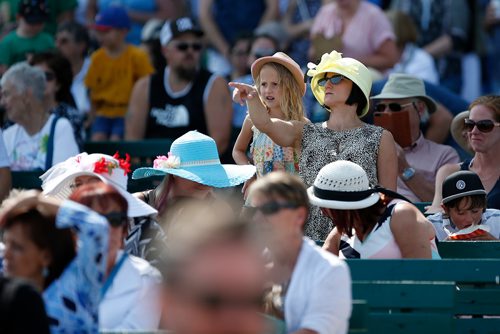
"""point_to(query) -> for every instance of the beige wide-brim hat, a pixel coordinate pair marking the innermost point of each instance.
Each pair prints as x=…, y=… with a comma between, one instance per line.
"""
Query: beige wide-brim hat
x=282, y=59
x=342, y=185
x=404, y=86
x=350, y=68
x=457, y=128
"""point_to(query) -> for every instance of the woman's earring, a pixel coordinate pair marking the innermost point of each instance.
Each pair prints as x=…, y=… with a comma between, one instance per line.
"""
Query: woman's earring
x=45, y=272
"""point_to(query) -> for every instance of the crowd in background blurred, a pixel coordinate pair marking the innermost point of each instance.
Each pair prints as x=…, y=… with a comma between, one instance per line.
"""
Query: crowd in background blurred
x=341, y=115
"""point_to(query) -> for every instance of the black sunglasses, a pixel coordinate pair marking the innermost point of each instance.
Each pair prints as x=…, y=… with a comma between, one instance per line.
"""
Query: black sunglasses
x=392, y=106
x=116, y=219
x=218, y=301
x=268, y=209
x=335, y=80
x=63, y=41
x=485, y=125
x=183, y=46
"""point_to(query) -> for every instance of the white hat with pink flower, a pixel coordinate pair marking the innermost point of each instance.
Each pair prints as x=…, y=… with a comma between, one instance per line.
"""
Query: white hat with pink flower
x=112, y=170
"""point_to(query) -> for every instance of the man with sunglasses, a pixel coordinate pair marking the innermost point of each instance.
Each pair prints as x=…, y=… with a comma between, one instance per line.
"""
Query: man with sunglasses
x=418, y=162
x=183, y=96
x=312, y=287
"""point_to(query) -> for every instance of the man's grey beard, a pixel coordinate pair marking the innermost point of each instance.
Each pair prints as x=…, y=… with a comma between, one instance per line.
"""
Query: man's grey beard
x=187, y=74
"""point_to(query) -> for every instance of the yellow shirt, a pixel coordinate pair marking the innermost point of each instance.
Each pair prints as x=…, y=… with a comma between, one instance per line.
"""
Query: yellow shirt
x=111, y=79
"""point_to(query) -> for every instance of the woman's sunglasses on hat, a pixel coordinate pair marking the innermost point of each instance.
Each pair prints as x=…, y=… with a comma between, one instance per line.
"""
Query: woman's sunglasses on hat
x=392, y=106
x=485, y=125
x=335, y=80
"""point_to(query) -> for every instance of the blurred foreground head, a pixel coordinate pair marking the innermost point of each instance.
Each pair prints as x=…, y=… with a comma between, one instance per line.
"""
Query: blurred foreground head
x=214, y=274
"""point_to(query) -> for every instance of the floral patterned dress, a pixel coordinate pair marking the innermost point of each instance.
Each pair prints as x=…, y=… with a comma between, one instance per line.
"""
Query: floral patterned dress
x=269, y=157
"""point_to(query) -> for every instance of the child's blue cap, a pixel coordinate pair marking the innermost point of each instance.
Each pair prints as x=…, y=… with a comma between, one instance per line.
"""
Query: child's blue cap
x=112, y=17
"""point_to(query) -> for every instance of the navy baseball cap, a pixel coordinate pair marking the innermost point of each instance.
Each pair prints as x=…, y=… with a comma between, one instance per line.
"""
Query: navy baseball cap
x=112, y=17
x=33, y=11
x=175, y=28
x=461, y=184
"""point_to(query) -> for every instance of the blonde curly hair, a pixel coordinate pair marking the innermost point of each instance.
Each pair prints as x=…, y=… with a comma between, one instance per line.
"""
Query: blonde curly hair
x=291, y=102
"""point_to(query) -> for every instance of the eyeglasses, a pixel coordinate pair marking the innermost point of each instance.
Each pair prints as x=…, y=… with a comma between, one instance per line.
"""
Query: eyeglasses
x=49, y=76
x=269, y=208
x=217, y=301
x=485, y=125
x=183, y=46
x=335, y=80
x=116, y=219
x=392, y=106
x=78, y=183
x=62, y=41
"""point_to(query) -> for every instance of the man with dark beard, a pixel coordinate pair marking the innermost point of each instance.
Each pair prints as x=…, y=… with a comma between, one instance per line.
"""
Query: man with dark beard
x=183, y=96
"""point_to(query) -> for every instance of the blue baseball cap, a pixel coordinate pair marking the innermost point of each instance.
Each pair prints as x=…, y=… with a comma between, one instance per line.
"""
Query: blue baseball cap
x=112, y=17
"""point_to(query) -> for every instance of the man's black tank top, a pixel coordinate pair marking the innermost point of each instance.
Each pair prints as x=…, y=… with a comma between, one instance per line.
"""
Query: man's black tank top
x=171, y=117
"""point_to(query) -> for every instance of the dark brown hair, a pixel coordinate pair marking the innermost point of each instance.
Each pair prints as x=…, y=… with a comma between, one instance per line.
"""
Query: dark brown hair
x=42, y=230
x=62, y=72
x=470, y=202
x=368, y=217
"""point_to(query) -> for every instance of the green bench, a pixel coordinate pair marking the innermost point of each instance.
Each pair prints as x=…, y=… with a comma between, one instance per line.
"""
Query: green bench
x=469, y=249
x=476, y=293
x=142, y=154
x=407, y=307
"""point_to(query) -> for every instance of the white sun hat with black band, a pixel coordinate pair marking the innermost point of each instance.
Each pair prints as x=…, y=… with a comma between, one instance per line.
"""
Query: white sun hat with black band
x=342, y=185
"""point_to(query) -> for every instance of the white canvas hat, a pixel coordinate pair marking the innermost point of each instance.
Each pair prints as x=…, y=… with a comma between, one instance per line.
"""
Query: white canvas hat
x=57, y=180
x=342, y=185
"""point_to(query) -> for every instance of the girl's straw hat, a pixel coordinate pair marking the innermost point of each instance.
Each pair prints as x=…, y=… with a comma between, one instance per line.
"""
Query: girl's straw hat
x=282, y=59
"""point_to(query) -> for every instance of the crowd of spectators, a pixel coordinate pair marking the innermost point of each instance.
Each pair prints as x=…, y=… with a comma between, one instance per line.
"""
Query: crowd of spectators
x=344, y=118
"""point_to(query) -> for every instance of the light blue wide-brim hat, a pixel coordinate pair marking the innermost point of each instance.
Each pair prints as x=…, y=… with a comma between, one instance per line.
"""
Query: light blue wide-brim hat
x=193, y=156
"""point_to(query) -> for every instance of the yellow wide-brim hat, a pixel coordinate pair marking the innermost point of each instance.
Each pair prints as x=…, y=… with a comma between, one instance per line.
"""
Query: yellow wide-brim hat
x=350, y=68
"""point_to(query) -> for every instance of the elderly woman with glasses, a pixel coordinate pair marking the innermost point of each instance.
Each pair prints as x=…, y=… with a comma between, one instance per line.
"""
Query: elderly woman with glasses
x=145, y=237
x=483, y=135
x=131, y=288
x=342, y=86
x=39, y=139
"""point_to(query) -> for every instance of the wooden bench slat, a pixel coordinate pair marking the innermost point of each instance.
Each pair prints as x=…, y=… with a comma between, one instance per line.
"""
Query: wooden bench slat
x=477, y=326
x=411, y=323
x=411, y=296
x=458, y=270
x=469, y=249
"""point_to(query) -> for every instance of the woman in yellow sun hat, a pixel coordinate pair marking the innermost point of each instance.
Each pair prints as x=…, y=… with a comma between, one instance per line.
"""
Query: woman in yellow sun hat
x=342, y=86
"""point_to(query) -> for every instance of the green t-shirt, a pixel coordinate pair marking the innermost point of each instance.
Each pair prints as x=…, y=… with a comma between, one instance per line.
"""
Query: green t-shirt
x=14, y=48
x=56, y=8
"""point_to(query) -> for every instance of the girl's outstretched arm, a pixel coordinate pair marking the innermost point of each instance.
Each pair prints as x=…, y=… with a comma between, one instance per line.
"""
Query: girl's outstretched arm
x=283, y=133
